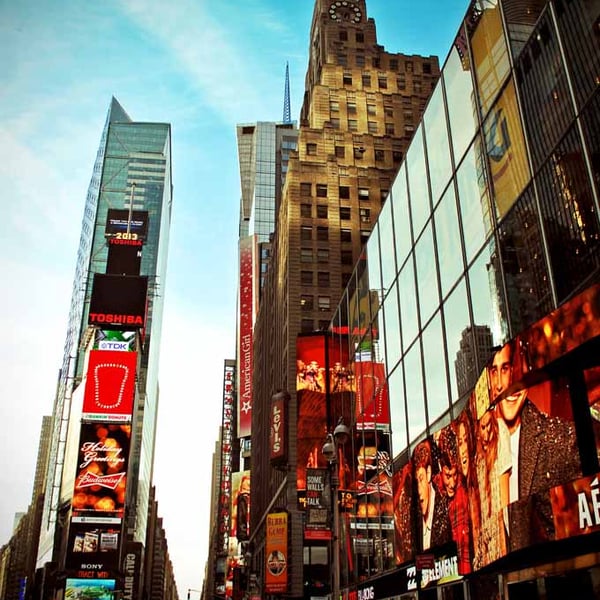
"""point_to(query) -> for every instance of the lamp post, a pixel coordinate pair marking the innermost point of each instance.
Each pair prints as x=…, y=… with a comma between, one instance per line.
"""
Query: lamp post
x=340, y=435
x=190, y=590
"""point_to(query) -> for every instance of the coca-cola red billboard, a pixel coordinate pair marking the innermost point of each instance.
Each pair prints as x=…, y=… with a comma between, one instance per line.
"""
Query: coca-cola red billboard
x=110, y=385
x=101, y=476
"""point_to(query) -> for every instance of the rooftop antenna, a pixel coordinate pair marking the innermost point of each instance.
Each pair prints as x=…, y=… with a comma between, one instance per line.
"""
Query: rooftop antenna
x=286, y=98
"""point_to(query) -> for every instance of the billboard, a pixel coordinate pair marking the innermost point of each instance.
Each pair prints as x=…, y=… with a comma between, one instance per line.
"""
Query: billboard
x=278, y=429
x=101, y=476
x=110, y=385
x=118, y=302
x=90, y=589
x=240, y=514
x=123, y=226
x=124, y=260
x=318, y=505
x=132, y=570
x=225, y=484
x=121, y=341
x=506, y=474
x=372, y=406
x=94, y=548
x=276, y=572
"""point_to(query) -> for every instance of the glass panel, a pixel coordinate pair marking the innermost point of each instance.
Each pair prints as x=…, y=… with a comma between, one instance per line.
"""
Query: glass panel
x=398, y=411
x=426, y=275
x=464, y=370
x=372, y=253
x=591, y=127
x=505, y=147
x=386, y=234
x=434, y=359
x=488, y=47
x=489, y=308
x=473, y=195
x=408, y=304
x=459, y=85
x=450, y=258
x=417, y=183
x=401, y=212
x=392, y=328
x=438, y=151
x=414, y=392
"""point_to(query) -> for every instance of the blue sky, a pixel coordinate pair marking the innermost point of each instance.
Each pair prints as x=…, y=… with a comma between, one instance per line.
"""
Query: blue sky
x=203, y=66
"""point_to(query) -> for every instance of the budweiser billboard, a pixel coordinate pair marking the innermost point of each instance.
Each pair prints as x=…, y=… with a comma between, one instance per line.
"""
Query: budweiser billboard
x=101, y=476
x=110, y=385
x=118, y=301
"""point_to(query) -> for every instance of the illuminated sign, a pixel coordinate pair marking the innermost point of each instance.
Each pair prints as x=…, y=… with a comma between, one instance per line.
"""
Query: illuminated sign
x=123, y=226
x=93, y=547
x=276, y=553
x=90, y=589
x=225, y=484
x=278, y=429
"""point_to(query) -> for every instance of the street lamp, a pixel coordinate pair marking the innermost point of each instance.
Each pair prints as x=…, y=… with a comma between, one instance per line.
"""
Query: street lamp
x=190, y=590
x=340, y=435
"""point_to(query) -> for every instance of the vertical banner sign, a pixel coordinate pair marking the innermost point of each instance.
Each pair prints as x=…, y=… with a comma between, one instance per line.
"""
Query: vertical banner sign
x=226, y=457
x=277, y=553
x=278, y=429
x=317, y=505
x=245, y=340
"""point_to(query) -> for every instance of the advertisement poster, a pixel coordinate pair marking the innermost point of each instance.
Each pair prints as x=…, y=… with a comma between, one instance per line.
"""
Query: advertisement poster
x=240, y=514
x=90, y=589
x=276, y=579
x=101, y=476
x=118, y=302
x=96, y=545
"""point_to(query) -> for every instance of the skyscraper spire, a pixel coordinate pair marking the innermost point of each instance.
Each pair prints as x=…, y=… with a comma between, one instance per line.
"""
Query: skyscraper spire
x=286, y=98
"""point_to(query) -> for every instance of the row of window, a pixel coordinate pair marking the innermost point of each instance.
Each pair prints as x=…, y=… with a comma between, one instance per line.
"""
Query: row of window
x=345, y=213
x=307, y=303
x=321, y=191
x=307, y=256
x=359, y=151
x=306, y=235
x=351, y=109
x=382, y=81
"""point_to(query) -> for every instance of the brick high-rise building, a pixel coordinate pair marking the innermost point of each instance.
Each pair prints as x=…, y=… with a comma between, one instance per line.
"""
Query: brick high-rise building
x=361, y=105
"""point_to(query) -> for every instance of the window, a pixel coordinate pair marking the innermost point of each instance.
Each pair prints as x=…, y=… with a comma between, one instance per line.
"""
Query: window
x=389, y=129
x=382, y=83
x=371, y=109
x=364, y=236
x=306, y=210
x=342, y=59
x=311, y=148
x=360, y=37
x=409, y=66
x=379, y=154
x=323, y=278
x=344, y=213
x=401, y=82
x=408, y=116
x=345, y=235
x=334, y=106
x=397, y=156
x=323, y=325
x=322, y=234
x=384, y=195
x=365, y=215
x=321, y=211
x=306, y=233
x=372, y=126
x=358, y=152
x=427, y=68
x=324, y=303
x=388, y=111
x=346, y=277
x=376, y=62
x=307, y=303
x=305, y=190
x=321, y=190
x=343, y=35
x=346, y=257
x=366, y=80
x=352, y=125
x=334, y=122
x=417, y=87
x=344, y=192
x=306, y=277
x=322, y=255
x=359, y=60
x=306, y=255
x=307, y=325
x=340, y=151
x=393, y=64
x=347, y=79
x=351, y=107
x=363, y=193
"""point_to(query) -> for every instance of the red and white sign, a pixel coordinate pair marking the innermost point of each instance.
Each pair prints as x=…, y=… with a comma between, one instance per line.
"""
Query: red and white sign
x=110, y=386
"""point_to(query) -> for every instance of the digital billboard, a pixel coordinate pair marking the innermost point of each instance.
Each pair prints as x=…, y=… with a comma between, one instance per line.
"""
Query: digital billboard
x=110, y=339
x=123, y=260
x=90, y=589
x=506, y=474
x=240, y=514
x=225, y=484
x=110, y=385
x=101, y=476
x=93, y=545
x=118, y=302
x=121, y=225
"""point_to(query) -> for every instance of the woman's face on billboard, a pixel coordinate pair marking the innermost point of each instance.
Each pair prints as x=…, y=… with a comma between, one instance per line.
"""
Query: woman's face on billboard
x=463, y=449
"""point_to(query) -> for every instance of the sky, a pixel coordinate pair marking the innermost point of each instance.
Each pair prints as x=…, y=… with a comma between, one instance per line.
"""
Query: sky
x=204, y=66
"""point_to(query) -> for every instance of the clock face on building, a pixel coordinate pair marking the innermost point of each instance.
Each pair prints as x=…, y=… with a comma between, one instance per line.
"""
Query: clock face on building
x=342, y=10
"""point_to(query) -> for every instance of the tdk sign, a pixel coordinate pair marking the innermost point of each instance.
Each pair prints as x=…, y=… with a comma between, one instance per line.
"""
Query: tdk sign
x=110, y=345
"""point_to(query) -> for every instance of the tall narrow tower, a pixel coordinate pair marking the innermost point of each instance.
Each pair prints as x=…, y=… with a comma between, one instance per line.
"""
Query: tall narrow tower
x=361, y=105
x=108, y=383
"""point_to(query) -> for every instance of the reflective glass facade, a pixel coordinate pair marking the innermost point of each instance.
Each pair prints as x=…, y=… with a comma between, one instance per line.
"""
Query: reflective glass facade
x=490, y=226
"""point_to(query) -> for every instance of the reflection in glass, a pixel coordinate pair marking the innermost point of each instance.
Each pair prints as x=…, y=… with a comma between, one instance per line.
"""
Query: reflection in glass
x=436, y=136
x=426, y=274
x=417, y=183
x=408, y=304
x=434, y=360
x=447, y=233
x=401, y=216
x=414, y=392
x=392, y=328
x=459, y=87
x=505, y=148
x=488, y=47
x=386, y=235
x=489, y=308
x=473, y=195
x=372, y=253
x=398, y=410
